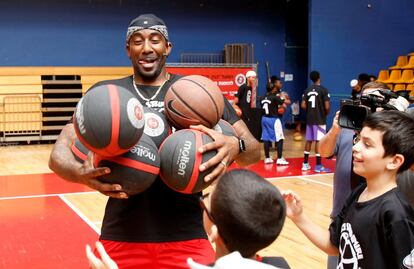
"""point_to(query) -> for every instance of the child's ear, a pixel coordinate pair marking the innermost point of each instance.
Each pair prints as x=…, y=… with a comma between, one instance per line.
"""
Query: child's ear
x=214, y=235
x=395, y=162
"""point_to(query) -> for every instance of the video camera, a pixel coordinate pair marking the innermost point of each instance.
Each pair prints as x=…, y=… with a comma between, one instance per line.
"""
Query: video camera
x=353, y=112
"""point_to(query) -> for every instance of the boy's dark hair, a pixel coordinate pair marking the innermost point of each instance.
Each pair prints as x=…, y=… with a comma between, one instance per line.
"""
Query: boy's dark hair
x=273, y=79
x=363, y=77
x=270, y=85
x=248, y=210
x=398, y=133
x=314, y=76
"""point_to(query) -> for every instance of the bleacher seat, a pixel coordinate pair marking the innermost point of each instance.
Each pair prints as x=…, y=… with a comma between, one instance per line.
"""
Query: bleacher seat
x=383, y=75
x=406, y=77
x=410, y=64
x=399, y=87
x=401, y=61
x=410, y=87
x=394, y=76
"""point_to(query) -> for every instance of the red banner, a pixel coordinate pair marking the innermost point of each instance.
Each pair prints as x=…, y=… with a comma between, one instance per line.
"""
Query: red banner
x=227, y=78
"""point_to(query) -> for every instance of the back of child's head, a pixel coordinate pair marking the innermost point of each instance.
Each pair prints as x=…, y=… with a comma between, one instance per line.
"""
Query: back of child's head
x=249, y=212
x=314, y=76
x=398, y=134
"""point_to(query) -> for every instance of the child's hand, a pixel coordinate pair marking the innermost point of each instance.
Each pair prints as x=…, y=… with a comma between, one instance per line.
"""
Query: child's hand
x=95, y=262
x=294, y=207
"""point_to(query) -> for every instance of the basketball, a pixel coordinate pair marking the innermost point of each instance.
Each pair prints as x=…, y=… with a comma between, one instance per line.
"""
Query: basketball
x=156, y=126
x=80, y=152
x=135, y=170
x=180, y=161
x=109, y=120
x=225, y=128
x=194, y=100
x=297, y=136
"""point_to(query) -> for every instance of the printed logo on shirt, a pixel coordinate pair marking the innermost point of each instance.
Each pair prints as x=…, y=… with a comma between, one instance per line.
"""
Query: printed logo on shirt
x=248, y=96
x=157, y=105
x=408, y=261
x=349, y=248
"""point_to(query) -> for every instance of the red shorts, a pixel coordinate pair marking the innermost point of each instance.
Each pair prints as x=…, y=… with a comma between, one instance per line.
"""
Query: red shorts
x=159, y=255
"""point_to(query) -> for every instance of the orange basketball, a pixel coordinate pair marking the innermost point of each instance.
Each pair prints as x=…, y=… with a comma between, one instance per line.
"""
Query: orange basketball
x=194, y=100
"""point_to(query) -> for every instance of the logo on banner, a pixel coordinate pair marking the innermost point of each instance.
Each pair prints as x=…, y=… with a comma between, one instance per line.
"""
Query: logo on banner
x=240, y=79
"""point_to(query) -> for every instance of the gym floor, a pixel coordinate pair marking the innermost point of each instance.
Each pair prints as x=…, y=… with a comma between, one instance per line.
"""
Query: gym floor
x=46, y=221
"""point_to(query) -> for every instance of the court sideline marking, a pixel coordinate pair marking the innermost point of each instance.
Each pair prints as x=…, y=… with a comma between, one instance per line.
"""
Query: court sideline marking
x=80, y=214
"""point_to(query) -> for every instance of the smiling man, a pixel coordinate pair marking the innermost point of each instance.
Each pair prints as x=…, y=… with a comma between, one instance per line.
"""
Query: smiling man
x=158, y=228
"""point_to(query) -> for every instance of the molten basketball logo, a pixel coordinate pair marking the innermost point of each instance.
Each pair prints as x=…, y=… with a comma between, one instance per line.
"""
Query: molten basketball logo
x=183, y=157
x=135, y=113
x=144, y=152
x=80, y=119
x=154, y=125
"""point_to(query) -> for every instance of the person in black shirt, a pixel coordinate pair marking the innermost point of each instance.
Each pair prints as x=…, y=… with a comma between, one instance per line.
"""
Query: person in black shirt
x=143, y=230
x=273, y=105
x=375, y=228
x=316, y=103
x=244, y=96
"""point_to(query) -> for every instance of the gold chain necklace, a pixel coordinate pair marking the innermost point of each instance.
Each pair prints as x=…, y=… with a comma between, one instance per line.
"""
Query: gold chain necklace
x=141, y=96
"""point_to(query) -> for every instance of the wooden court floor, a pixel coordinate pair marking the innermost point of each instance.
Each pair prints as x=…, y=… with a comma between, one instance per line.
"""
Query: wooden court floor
x=45, y=221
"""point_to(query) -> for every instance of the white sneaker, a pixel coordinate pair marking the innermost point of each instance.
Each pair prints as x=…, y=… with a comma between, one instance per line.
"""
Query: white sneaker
x=282, y=161
x=268, y=160
x=306, y=167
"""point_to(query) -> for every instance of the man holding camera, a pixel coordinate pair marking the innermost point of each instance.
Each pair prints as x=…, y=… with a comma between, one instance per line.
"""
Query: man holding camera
x=339, y=142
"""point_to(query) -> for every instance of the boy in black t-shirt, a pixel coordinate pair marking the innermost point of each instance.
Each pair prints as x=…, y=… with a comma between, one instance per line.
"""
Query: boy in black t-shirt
x=316, y=103
x=274, y=104
x=375, y=228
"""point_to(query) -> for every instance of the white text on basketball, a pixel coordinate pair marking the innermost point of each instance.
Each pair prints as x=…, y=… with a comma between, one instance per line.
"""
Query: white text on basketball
x=183, y=157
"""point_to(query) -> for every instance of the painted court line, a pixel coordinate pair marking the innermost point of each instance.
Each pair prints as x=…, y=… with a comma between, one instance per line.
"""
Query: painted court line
x=300, y=177
x=315, y=181
x=79, y=213
x=44, y=195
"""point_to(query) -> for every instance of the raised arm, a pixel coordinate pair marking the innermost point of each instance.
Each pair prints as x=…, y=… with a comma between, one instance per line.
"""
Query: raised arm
x=317, y=235
x=328, y=142
x=63, y=163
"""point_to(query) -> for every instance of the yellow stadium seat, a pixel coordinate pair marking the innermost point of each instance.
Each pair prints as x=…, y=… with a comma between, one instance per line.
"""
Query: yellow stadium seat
x=411, y=54
x=391, y=86
x=383, y=75
x=406, y=77
x=410, y=87
x=399, y=87
x=410, y=64
x=401, y=61
x=394, y=76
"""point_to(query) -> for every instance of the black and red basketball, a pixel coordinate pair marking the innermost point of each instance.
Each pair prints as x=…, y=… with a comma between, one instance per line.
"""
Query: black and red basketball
x=109, y=120
x=194, y=100
x=225, y=128
x=80, y=152
x=135, y=170
x=156, y=126
x=180, y=161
